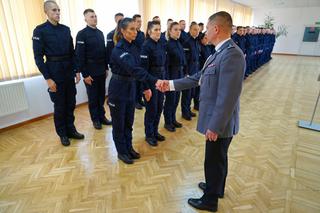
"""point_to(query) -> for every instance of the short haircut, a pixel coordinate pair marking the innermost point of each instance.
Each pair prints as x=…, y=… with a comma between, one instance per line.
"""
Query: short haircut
x=88, y=11
x=181, y=21
x=47, y=3
x=223, y=18
x=201, y=24
x=136, y=16
x=118, y=14
x=239, y=27
x=193, y=23
x=155, y=17
x=169, y=19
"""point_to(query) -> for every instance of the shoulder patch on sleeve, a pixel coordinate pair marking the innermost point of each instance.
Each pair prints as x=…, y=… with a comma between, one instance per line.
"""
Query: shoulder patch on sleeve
x=35, y=38
x=123, y=54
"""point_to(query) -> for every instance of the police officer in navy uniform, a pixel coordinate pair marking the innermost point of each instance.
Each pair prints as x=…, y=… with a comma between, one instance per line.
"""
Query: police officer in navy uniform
x=92, y=63
x=175, y=63
x=139, y=42
x=54, y=41
x=153, y=59
x=126, y=69
x=184, y=34
x=110, y=37
x=191, y=48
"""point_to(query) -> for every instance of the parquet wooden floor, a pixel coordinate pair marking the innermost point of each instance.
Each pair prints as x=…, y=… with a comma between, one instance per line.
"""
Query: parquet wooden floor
x=273, y=164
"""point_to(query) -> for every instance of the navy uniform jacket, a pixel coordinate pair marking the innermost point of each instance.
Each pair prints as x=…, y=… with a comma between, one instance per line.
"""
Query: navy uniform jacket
x=91, y=52
x=153, y=58
x=125, y=62
x=175, y=59
x=183, y=36
x=205, y=52
x=139, y=40
x=192, y=51
x=110, y=45
x=54, y=41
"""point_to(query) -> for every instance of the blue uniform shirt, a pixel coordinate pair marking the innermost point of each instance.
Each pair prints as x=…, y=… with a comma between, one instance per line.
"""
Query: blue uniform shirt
x=192, y=51
x=205, y=52
x=125, y=62
x=183, y=36
x=54, y=41
x=91, y=52
x=175, y=58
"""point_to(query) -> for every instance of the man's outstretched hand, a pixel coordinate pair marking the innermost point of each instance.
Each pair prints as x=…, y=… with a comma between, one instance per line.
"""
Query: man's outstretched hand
x=163, y=85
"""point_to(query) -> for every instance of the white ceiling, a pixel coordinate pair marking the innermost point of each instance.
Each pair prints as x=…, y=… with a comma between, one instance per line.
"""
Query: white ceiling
x=279, y=3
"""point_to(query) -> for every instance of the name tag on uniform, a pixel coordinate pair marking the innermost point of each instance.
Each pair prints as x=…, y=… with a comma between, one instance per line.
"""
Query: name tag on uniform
x=80, y=42
x=143, y=56
x=109, y=40
x=35, y=38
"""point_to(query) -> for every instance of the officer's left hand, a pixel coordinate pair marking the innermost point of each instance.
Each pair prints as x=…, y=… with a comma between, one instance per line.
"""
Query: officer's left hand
x=211, y=136
x=147, y=94
x=77, y=77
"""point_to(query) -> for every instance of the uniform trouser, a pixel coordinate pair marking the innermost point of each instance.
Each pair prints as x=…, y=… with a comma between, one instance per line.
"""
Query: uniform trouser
x=196, y=97
x=170, y=106
x=153, y=113
x=186, y=102
x=215, y=169
x=122, y=113
x=188, y=95
x=96, y=96
x=64, y=100
x=139, y=92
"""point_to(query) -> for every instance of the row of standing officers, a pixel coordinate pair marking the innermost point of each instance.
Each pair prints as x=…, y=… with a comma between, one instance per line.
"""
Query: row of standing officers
x=137, y=63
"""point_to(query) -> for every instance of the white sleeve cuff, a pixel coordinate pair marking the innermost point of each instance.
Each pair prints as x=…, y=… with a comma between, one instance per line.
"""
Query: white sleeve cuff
x=171, y=85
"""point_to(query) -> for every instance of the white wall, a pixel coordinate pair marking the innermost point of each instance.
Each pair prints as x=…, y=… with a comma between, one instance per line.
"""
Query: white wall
x=38, y=101
x=296, y=19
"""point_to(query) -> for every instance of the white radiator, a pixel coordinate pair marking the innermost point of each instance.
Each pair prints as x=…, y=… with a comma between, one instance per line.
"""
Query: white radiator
x=12, y=98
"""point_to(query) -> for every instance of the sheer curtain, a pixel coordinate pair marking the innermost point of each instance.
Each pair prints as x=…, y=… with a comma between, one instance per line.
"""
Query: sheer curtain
x=201, y=10
x=17, y=20
x=174, y=9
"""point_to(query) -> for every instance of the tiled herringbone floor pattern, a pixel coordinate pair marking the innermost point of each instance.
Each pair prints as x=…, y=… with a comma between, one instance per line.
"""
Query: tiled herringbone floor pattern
x=274, y=165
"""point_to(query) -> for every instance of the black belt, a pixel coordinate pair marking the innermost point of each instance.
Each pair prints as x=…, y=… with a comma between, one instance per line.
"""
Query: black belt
x=92, y=61
x=58, y=58
x=122, y=78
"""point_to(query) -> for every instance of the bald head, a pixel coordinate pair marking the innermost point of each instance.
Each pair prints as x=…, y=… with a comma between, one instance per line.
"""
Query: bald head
x=52, y=10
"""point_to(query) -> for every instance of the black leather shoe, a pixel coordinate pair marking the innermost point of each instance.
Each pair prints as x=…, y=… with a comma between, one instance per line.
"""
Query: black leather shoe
x=193, y=114
x=198, y=204
x=76, y=135
x=65, y=141
x=160, y=137
x=152, y=141
x=170, y=127
x=139, y=106
x=125, y=159
x=134, y=155
x=105, y=121
x=97, y=125
x=177, y=124
x=202, y=186
x=188, y=118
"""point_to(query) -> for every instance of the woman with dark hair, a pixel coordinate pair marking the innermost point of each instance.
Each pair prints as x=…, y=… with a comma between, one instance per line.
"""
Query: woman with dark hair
x=153, y=59
x=175, y=64
x=125, y=67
